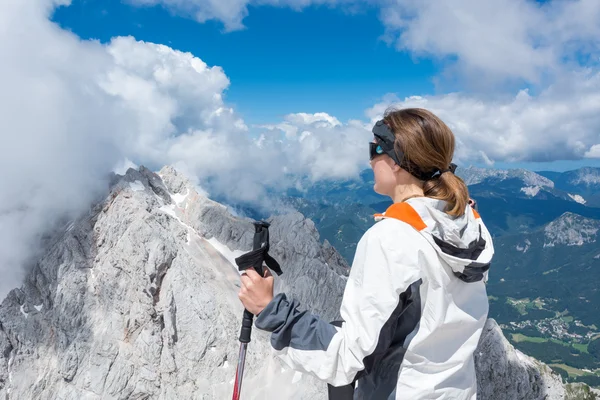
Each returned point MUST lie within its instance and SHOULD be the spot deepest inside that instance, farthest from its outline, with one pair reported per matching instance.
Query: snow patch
(179, 198)
(230, 255)
(70, 226)
(10, 374)
(137, 186)
(39, 308)
(525, 247)
(169, 210)
(531, 191)
(23, 311)
(225, 364)
(297, 377)
(577, 198)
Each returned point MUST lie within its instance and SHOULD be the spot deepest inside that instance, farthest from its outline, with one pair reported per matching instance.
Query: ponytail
(450, 188)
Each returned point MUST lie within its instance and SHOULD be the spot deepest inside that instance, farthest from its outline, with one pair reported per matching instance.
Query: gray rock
(571, 230)
(504, 373)
(138, 300)
(5, 349)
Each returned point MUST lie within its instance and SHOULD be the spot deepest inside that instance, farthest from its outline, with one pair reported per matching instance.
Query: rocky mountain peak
(571, 230)
(587, 176)
(138, 299)
(473, 175)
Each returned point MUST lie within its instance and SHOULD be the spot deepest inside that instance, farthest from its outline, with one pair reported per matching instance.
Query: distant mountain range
(513, 201)
(584, 182)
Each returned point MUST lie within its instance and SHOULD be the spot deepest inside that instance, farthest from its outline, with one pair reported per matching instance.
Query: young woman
(415, 302)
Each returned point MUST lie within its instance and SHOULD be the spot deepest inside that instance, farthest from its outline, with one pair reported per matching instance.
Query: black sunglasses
(385, 143)
(374, 150)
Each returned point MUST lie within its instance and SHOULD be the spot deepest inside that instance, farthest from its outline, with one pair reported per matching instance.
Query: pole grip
(246, 330)
(248, 318)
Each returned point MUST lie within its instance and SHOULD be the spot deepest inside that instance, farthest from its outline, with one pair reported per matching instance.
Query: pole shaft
(239, 374)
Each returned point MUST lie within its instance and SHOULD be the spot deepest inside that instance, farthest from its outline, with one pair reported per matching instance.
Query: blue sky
(317, 60)
(324, 59)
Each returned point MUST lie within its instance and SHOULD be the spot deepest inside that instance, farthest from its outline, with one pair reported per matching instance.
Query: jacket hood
(464, 242)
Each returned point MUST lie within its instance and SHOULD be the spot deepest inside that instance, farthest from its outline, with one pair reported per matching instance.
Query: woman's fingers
(256, 291)
(252, 274)
(246, 281)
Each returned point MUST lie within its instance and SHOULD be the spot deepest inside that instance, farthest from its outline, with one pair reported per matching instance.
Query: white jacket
(413, 309)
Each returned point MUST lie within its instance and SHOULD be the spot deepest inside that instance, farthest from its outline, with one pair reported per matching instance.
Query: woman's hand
(256, 291)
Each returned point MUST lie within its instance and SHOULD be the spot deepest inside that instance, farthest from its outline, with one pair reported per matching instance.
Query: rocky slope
(138, 300)
(571, 230)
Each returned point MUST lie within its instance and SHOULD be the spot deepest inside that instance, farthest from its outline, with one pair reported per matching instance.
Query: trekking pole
(255, 258)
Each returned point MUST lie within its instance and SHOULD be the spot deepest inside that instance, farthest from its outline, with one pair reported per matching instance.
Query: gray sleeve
(293, 328)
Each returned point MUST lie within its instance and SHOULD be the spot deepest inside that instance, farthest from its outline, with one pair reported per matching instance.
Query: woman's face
(385, 178)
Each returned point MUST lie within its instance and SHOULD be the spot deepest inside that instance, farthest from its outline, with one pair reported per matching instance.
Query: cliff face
(138, 300)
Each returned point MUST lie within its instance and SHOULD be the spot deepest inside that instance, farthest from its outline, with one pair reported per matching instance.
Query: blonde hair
(428, 146)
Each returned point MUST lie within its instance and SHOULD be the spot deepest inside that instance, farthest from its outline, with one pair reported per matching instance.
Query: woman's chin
(376, 189)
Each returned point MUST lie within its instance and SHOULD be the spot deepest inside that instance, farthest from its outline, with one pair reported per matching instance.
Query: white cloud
(123, 165)
(230, 12)
(317, 146)
(593, 152)
(562, 122)
(489, 40)
(319, 119)
(323, 148)
(74, 110)
(52, 121)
